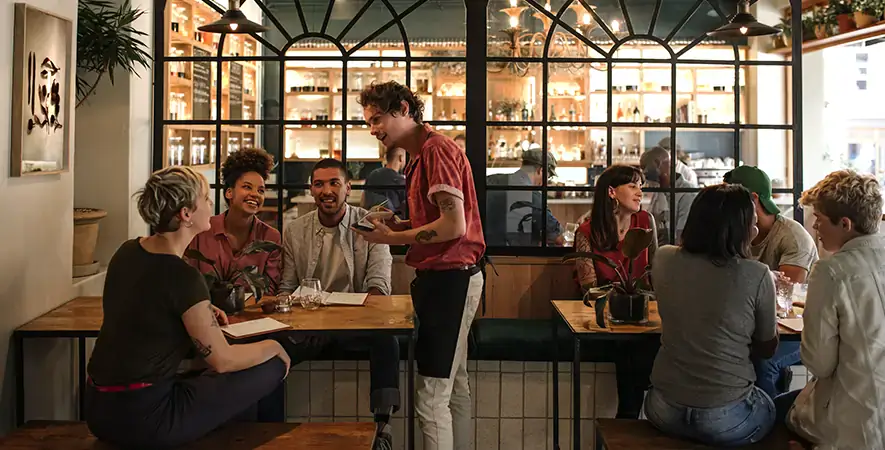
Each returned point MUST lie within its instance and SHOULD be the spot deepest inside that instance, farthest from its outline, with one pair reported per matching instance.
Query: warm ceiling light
(743, 24)
(233, 21)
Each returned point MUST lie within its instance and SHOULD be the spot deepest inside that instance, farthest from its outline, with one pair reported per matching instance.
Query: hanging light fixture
(233, 21)
(743, 24)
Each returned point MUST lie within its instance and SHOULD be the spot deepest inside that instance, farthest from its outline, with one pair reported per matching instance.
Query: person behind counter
(505, 224)
(321, 245)
(617, 199)
(388, 176)
(655, 163)
(156, 312)
(717, 309)
(446, 245)
(844, 337)
(688, 174)
(787, 249)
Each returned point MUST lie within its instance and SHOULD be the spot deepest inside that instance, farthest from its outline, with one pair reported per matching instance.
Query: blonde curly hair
(846, 193)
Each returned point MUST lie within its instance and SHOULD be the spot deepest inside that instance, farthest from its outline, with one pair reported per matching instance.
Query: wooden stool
(50, 435)
(623, 434)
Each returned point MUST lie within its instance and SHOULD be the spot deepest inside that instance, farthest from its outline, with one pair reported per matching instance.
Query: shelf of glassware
(194, 145)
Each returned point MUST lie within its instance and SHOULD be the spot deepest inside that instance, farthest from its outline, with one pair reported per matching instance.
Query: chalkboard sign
(236, 91)
(202, 81)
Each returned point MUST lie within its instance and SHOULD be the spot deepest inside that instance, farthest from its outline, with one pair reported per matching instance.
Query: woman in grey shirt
(717, 310)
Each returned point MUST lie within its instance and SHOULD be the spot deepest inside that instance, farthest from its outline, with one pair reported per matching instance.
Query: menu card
(796, 324)
(255, 327)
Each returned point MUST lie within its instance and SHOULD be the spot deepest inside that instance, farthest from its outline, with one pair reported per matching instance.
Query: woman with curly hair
(243, 173)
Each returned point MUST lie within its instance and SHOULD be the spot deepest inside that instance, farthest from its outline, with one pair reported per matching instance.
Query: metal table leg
(19, 349)
(554, 321)
(81, 396)
(410, 395)
(576, 395)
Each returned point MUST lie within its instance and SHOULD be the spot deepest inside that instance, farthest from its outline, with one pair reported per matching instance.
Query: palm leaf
(569, 257)
(260, 247)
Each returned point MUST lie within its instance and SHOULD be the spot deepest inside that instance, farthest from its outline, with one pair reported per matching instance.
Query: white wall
(114, 150)
(35, 266)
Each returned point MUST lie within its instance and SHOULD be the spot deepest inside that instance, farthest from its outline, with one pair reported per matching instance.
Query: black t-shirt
(142, 337)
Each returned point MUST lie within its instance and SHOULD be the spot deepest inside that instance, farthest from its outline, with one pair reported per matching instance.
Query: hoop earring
(188, 224)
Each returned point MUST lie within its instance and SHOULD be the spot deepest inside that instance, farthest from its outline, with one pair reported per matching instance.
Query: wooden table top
(268, 436)
(581, 319)
(84, 315)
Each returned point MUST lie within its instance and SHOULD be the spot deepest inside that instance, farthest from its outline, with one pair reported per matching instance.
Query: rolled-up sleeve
(379, 268)
(443, 170)
(820, 335)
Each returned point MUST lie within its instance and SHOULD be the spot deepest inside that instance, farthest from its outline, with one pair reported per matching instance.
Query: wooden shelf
(869, 32)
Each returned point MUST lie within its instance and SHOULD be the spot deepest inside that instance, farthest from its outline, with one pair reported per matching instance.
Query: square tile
(321, 419)
(565, 434)
(535, 398)
(471, 383)
(471, 365)
(488, 366)
(537, 366)
(511, 434)
(512, 366)
(588, 367)
(607, 367)
(345, 391)
(321, 365)
(565, 396)
(298, 394)
(362, 365)
(587, 395)
(487, 437)
(587, 434)
(534, 434)
(511, 394)
(488, 394)
(606, 398)
(321, 393)
(344, 365)
(565, 367)
(363, 388)
(399, 433)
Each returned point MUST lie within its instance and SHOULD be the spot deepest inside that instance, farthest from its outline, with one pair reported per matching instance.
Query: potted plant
(867, 12)
(107, 41)
(841, 10)
(224, 292)
(627, 297)
(783, 39)
(823, 22)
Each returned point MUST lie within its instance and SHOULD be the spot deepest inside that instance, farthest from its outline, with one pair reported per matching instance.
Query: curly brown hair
(244, 161)
(389, 96)
(845, 193)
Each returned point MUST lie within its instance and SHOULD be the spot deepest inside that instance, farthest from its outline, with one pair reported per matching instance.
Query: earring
(617, 205)
(189, 224)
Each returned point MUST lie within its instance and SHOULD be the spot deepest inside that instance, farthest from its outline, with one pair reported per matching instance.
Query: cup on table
(310, 294)
(569, 234)
(784, 295)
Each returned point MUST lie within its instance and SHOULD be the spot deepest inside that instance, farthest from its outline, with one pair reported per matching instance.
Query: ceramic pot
(85, 238)
(622, 309)
(863, 20)
(229, 300)
(820, 31)
(846, 22)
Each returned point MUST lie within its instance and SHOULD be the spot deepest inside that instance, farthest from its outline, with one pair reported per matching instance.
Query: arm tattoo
(425, 236)
(214, 322)
(203, 350)
(446, 205)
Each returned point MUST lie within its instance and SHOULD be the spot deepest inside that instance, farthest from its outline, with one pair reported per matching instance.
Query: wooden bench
(620, 434)
(50, 435)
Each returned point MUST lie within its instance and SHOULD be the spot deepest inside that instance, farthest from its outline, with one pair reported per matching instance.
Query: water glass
(784, 295)
(568, 236)
(310, 294)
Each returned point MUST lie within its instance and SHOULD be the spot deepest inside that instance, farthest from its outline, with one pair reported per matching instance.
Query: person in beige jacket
(843, 343)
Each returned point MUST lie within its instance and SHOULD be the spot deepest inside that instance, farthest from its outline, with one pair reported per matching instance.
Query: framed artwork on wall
(41, 92)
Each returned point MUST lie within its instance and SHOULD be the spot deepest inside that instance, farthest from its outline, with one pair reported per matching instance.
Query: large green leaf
(596, 257)
(635, 241)
(255, 281)
(260, 247)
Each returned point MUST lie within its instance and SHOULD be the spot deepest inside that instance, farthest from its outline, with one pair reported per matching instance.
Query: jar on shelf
(357, 84)
(323, 82)
(309, 83)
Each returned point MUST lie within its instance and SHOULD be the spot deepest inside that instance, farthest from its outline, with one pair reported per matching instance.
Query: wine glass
(310, 294)
(569, 234)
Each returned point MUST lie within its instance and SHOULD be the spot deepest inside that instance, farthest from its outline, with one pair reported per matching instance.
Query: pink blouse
(215, 245)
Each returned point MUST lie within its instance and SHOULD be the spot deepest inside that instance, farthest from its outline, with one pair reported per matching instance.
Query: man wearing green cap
(785, 247)
(505, 224)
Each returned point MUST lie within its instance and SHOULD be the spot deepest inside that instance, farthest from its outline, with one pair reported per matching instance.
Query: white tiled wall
(513, 401)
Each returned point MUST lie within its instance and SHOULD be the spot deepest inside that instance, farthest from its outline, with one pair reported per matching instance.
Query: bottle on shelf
(552, 114)
(525, 112)
(531, 113)
(572, 117)
(622, 149)
(636, 113)
(620, 114)
(442, 115)
(454, 114)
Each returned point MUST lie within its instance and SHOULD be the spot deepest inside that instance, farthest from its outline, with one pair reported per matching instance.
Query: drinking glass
(310, 294)
(569, 234)
(784, 295)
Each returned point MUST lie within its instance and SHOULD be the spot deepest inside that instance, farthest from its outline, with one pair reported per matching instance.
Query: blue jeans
(768, 371)
(743, 422)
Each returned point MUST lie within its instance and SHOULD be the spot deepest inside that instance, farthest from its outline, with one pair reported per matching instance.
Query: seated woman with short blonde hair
(843, 342)
(156, 312)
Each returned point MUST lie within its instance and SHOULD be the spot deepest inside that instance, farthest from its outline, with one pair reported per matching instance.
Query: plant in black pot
(224, 291)
(628, 295)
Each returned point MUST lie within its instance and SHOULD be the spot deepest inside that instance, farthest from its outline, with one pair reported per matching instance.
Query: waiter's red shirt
(442, 167)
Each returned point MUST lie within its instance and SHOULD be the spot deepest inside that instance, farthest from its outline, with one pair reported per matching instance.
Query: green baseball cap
(757, 182)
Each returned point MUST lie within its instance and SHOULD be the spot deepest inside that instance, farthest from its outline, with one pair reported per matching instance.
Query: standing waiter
(446, 244)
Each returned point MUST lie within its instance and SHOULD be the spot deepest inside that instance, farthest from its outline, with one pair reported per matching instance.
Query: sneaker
(383, 437)
(784, 380)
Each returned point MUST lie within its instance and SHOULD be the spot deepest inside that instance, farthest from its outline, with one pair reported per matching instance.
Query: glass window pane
(514, 91)
(515, 218)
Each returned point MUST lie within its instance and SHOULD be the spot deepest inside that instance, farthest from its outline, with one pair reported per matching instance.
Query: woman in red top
(617, 201)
